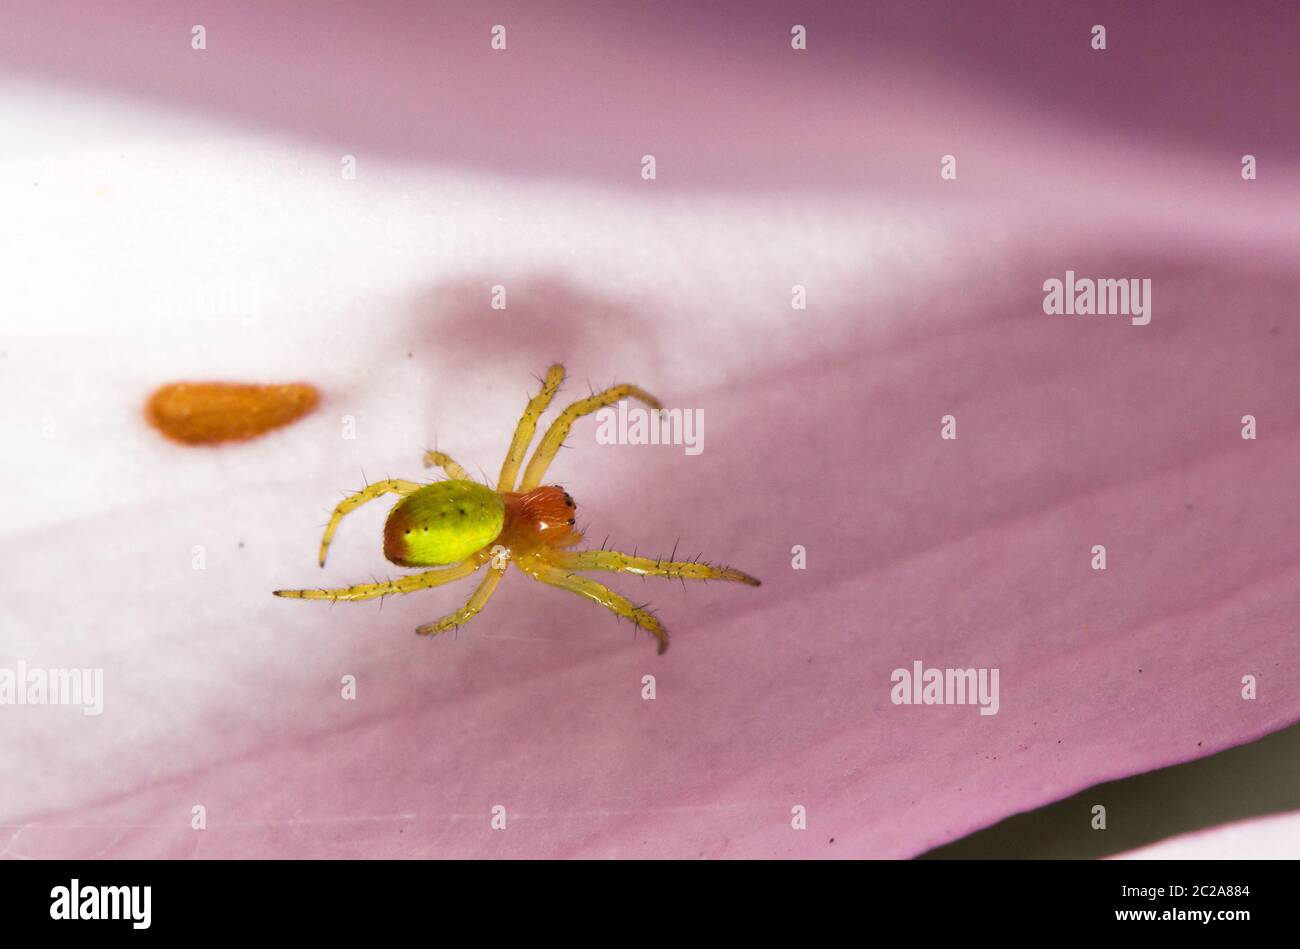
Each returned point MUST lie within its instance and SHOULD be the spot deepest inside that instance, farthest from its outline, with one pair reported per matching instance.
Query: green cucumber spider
(458, 526)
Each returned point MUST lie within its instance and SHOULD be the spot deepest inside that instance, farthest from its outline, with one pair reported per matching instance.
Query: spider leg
(599, 593)
(527, 426)
(447, 464)
(407, 584)
(645, 566)
(354, 501)
(470, 609)
(559, 430)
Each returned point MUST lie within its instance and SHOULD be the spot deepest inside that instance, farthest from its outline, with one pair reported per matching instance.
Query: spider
(459, 525)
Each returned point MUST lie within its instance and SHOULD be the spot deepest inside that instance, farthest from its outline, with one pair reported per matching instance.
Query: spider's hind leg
(354, 501)
(447, 464)
(406, 584)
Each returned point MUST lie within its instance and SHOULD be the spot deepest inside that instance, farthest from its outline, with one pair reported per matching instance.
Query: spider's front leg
(618, 562)
(559, 430)
(523, 436)
(354, 501)
(616, 603)
(471, 608)
(408, 584)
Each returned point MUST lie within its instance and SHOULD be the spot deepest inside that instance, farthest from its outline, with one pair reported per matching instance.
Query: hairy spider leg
(620, 605)
(527, 426)
(354, 501)
(407, 584)
(471, 607)
(559, 429)
(644, 566)
(447, 464)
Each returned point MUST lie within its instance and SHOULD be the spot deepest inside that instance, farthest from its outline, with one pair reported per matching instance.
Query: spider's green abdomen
(443, 523)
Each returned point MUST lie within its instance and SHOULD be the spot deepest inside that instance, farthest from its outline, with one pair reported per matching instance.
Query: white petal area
(1276, 837)
(145, 246)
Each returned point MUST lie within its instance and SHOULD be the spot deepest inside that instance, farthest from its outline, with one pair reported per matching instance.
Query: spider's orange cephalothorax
(542, 517)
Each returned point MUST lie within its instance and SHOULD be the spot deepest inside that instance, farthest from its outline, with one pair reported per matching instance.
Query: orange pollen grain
(208, 413)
